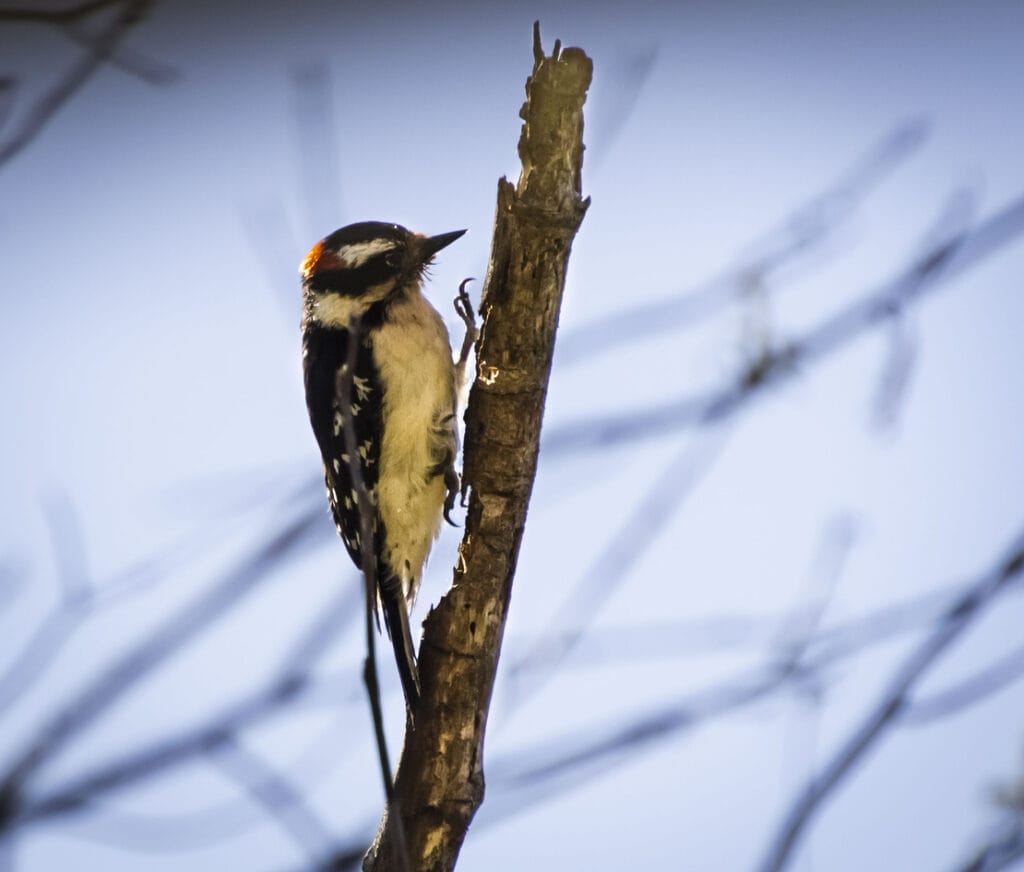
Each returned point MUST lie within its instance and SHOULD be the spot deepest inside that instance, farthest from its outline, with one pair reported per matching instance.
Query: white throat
(338, 310)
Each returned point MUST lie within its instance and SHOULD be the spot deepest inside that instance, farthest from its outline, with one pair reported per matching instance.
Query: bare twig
(139, 661)
(316, 163)
(148, 69)
(892, 703)
(1005, 842)
(610, 568)
(367, 553)
(102, 48)
(8, 88)
(180, 830)
(952, 222)
(624, 82)
(992, 679)
(910, 287)
(272, 240)
(157, 757)
(74, 598)
(828, 645)
(894, 377)
(289, 681)
(572, 758)
(68, 15)
(318, 150)
(71, 21)
(80, 599)
(797, 634)
(1004, 849)
(278, 797)
(808, 226)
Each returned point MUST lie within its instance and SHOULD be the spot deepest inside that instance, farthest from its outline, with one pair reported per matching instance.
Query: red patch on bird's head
(320, 259)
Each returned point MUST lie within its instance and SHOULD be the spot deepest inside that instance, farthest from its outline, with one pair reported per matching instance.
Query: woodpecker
(364, 282)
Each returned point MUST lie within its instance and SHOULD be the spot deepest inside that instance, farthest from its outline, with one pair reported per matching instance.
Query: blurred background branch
(777, 365)
(102, 46)
(976, 597)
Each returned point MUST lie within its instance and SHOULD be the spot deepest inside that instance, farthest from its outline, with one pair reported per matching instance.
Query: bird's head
(362, 264)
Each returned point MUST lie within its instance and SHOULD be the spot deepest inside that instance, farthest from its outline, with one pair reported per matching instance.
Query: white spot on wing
(362, 386)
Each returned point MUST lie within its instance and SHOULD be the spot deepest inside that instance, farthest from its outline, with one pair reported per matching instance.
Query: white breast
(413, 356)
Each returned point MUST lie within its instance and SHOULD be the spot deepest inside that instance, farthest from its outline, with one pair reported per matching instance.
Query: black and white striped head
(362, 264)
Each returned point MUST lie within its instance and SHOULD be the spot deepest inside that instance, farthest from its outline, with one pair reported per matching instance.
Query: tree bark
(440, 780)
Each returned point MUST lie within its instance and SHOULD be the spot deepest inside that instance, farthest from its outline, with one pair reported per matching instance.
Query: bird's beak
(431, 245)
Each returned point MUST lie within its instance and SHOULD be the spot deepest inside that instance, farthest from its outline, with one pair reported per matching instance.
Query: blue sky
(148, 281)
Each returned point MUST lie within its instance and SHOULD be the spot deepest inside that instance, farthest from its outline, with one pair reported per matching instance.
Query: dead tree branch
(440, 782)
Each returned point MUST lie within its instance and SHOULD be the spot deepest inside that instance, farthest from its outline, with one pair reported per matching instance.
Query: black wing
(325, 351)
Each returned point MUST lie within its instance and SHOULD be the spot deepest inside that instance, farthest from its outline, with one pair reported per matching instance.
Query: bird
(363, 302)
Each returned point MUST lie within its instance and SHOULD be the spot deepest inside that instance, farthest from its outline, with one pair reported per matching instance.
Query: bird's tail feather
(396, 619)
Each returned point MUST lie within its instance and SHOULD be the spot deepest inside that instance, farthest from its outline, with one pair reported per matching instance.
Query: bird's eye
(393, 260)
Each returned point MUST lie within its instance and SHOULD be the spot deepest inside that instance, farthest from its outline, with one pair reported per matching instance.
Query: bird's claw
(464, 307)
